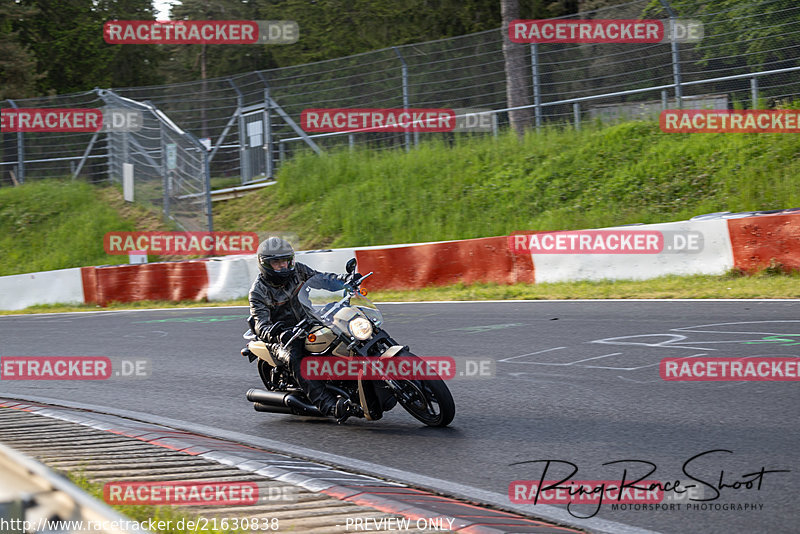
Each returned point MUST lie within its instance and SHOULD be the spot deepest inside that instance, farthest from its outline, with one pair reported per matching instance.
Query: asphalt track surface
(574, 381)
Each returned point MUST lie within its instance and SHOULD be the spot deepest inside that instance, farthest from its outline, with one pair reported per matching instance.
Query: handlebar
(365, 277)
(297, 331)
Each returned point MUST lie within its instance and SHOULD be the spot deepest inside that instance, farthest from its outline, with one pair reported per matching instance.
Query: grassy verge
(58, 224)
(55, 225)
(732, 285)
(449, 187)
(556, 179)
(169, 517)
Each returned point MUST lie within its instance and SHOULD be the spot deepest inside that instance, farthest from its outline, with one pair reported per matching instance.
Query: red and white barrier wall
(19, 291)
(757, 241)
(748, 243)
(714, 257)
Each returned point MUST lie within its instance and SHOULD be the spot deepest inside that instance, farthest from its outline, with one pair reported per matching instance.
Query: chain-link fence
(169, 166)
(32, 155)
(749, 57)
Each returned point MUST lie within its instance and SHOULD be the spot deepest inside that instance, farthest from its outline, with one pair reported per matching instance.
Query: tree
(66, 36)
(335, 28)
(517, 71)
(132, 65)
(17, 63)
(190, 62)
(760, 35)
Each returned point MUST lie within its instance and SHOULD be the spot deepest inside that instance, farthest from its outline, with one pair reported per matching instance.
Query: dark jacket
(270, 303)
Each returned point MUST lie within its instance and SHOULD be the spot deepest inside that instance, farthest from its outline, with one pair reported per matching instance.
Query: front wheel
(429, 401)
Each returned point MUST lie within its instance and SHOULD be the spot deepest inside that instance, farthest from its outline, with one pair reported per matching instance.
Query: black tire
(435, 407)
(264, 371)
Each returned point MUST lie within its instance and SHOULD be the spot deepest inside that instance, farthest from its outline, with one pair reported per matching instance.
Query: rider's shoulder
(259, 289)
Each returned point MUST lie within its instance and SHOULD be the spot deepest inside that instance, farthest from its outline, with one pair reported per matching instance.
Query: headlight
(361, 328)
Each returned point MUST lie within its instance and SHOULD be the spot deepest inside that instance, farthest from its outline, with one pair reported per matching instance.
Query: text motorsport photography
(635, 490)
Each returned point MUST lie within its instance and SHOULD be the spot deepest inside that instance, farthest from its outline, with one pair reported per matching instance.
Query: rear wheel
(429, 401)
(265, 372)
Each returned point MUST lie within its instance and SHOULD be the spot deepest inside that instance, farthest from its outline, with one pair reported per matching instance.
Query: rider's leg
(315, 390)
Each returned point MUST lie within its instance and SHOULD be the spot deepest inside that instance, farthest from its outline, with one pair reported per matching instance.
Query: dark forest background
(56, 46)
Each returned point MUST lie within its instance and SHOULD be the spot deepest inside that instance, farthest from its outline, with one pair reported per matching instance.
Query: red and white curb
(363, 490)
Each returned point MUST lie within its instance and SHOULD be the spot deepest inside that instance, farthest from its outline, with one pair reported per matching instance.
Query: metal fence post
(125, 150)
(267, 127)
(207, 171)
(281, 151)
(537, 85)
(754, 91)
(77, 170)
(351, 140)
(20, 150)
(244, 165)
(164, 169)
(109, 159)
(576, 114)
(664, 100)
(405, 93)
(676, 62)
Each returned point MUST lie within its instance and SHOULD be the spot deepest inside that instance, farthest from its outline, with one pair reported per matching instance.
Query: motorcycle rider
(275, 311)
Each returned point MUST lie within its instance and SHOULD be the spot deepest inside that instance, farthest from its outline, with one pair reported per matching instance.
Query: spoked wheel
(429, 401)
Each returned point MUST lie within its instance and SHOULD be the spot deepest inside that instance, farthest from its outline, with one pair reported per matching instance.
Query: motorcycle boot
(315, 390)
(344, 409)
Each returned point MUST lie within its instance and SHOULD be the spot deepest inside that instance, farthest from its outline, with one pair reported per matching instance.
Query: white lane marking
(620, 368)
(569, 363)
(643, 366)
(672, 343)
(552, 513)
(592, 358)
(505, 360)
(691, 328)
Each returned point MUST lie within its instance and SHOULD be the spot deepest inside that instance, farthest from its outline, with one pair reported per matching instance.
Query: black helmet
(275, 248)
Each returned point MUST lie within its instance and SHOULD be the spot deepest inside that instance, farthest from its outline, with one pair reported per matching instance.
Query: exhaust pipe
(281, 402)
(271, 398)
(271, 409)
(299, 407)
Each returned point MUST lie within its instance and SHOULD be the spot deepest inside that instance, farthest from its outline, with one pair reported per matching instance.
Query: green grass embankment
(554, 180)
(49, 225)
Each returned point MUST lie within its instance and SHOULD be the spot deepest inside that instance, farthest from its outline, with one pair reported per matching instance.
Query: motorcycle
(341, 323)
